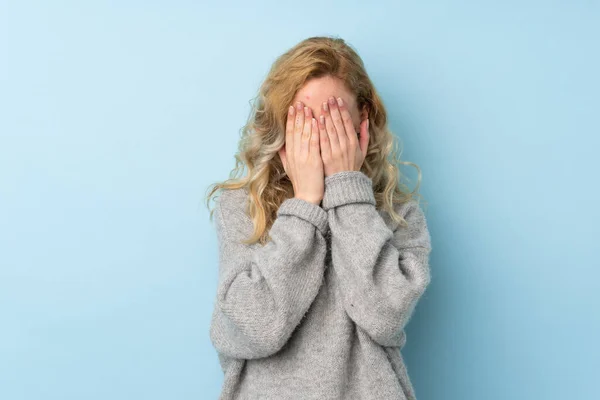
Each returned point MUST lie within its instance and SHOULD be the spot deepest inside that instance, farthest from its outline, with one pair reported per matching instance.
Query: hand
(300, 155)
(341, 149)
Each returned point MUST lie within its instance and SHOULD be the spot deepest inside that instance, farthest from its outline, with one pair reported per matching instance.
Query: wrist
(309, 199)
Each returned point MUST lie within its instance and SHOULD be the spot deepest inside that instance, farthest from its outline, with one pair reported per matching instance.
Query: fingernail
(325, 106)
(291, 110)
(332, 100)
(340, 101)
(298, 105)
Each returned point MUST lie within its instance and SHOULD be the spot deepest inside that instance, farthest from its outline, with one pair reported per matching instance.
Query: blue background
(116, 116)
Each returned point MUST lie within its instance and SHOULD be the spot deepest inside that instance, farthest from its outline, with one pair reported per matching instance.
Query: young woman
(323, 253)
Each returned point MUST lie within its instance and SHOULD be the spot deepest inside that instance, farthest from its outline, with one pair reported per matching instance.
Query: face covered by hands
(343, 130)
(342, 148)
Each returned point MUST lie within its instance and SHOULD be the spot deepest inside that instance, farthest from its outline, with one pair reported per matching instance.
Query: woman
(323, 254)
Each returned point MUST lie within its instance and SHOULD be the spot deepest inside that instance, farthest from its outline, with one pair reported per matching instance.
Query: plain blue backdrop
(116, 116)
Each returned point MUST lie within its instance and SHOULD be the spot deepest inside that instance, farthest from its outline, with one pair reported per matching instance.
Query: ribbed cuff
(305, 210)
(347, 187)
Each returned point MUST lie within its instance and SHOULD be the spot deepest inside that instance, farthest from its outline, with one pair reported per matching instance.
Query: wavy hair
(264, 133)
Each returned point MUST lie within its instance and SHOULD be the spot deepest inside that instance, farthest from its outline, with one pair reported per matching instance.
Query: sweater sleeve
(264, 291)
(383, 272)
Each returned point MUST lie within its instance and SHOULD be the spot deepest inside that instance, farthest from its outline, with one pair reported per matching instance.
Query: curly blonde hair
(264, 133)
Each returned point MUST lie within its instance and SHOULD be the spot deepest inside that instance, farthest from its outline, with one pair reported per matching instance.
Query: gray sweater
(318, 312)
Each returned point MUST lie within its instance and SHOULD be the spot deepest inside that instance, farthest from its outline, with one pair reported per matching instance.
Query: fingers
(346, 119)
(315, 145)
(306, 132)
(339, 124)
(289, 131)
(298, 128)
(325, 147)
(333, 144)
(364, 136)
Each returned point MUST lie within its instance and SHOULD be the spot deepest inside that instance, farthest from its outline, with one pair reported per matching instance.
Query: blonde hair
(264, 133)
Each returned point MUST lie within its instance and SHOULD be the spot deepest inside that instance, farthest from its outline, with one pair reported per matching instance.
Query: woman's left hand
(341, 148)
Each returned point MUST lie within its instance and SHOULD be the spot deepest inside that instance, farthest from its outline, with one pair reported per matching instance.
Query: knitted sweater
(318, 312)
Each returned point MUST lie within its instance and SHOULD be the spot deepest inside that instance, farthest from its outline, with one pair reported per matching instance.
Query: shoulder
(410, 210)
(232, 199)
(232, 217)
(416, 232)
(403, 208)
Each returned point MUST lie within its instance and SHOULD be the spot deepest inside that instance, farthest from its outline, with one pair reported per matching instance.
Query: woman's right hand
(301, 154)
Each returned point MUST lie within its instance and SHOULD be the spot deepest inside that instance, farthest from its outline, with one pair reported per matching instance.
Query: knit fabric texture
(319, 312)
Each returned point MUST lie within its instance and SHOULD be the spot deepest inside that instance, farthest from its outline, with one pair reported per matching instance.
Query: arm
(263, 292)
(383, 272)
